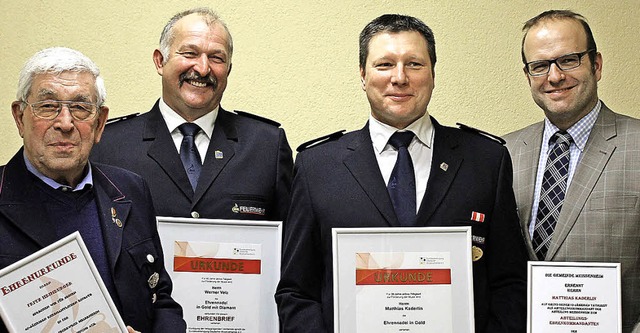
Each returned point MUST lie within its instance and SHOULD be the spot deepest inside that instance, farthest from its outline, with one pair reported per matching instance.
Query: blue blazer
(248, 164)
(339, 184)
(25, 229)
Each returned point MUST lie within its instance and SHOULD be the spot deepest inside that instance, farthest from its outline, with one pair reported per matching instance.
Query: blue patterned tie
(554, 186)
(402, 183)
(189, 152)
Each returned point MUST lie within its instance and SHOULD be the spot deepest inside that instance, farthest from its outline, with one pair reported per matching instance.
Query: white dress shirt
(202, 138)
(420, 149)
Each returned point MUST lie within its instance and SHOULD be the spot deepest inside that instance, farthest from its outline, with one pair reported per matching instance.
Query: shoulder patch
(482, 133)
(256, 117)
(320, 140)
(121, 118)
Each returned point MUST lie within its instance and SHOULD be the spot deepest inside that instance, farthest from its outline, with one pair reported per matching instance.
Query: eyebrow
(197, 47)
(46, 93)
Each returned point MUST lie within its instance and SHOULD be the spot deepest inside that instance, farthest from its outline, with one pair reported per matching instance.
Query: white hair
(55, 60)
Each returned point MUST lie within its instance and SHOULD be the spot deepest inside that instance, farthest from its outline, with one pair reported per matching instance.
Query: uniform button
(150, 258)
(195, 214)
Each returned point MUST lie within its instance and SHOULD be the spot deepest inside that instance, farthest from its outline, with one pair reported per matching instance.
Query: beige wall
(295, 61)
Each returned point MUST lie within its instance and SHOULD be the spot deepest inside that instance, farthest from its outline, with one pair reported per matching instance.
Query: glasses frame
(555, 61)
(35, 106)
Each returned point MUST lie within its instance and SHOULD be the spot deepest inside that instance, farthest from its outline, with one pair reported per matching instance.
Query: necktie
(402, 183)
(189, 152)
(554, 186)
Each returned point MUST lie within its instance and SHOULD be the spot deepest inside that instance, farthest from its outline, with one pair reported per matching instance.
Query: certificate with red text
(224, 272)
(57, 289)
(400, 289)
(402, 280)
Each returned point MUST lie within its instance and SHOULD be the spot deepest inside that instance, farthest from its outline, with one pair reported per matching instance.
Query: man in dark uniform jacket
(49, 190)
(462, 178)
(245, 161)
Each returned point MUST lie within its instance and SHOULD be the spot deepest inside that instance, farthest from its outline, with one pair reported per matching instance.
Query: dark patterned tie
(402, 183)
(554, 186)
(189, 152)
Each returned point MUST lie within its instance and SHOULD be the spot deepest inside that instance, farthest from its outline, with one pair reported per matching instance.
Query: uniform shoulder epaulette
(121, 118)
(256, 117)
(481, 132)
(320, 140)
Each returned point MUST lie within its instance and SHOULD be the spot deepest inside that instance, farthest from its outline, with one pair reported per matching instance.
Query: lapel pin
(218, 155)
(444, 166)
(114, 218)
(153, 280)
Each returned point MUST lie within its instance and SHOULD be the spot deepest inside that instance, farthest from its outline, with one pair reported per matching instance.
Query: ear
(597, 66)
(158, 61)
(362, 79)
(18, 113)
(229, 71)
(101, 121)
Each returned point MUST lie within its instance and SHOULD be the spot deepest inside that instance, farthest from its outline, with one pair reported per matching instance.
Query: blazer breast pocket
(612, 202)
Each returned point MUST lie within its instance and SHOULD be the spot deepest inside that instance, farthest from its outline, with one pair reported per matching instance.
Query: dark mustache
(209, 79)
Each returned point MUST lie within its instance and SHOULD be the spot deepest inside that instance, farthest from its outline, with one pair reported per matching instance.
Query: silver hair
(210, 17)
(55, 60)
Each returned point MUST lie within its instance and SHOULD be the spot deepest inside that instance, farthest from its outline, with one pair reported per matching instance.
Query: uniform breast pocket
(146, 259)
(249, 205)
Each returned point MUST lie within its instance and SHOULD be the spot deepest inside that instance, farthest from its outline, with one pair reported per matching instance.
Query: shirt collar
(173, 119)
(86, 182)
(381, 132)
(579, 131)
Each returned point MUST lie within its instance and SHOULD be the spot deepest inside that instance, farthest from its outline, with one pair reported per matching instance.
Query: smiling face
(564, 96)
(194, 74)
(398, 77)
(60, 148)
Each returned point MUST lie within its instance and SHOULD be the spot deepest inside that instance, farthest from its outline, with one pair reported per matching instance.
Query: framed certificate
(573, 297)
(57, 289)
(224, 272)
(403, 280)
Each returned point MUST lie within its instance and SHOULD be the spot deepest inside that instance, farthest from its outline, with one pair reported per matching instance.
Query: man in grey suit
(594, 213)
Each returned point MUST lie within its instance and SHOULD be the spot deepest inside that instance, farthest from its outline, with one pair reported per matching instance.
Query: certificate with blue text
(403, 280)
(224, 272)
(57, 289)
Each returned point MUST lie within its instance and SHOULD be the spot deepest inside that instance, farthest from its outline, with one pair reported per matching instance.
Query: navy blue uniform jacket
(246, 172)
(339, 184)
(25, 229)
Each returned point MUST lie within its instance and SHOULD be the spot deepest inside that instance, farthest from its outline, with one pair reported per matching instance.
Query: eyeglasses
(565, 63)
(50, 109)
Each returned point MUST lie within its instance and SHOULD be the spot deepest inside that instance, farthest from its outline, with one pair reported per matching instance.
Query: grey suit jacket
(600, 217)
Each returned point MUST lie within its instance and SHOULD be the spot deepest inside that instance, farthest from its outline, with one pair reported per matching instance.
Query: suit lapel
(596, 155)
(220, 152)
(163, 152)
(18, 205)
(362, 164)
(445, 163)
(525, 157)
(113, 209)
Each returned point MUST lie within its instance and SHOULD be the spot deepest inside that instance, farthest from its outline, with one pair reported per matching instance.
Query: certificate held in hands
(57, 289)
